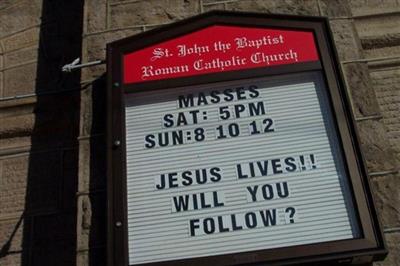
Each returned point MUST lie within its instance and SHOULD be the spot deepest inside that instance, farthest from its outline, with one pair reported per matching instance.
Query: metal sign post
(231, 141)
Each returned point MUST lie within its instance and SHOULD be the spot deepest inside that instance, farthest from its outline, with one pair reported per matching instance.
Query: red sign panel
(219, 49)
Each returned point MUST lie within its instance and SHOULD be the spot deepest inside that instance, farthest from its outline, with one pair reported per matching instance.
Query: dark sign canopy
(231, 141)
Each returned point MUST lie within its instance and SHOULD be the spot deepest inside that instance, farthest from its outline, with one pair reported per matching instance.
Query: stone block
(381, 46)
(379, 35)
(94, 48)
(7, 3)
(1, 84)
(151, 12)
(20, 80)
(91, 73)
(386, 84)
(87, 111)
(378, 26)
(11, 259)
(20, 56)
(20, 16)
(26, 38)
(95, 15)
(52, 121)
(92, 164)
(378, 153)
(387, 199)
(294, 7)
(393, 259)
(361, 91)
(17, 106)
(95, 45)
(366, 7)
(346, 39)
(334, 9)
(387, 51)
(82, 258)
(217, 1)
(92, 220)
(55, 121)
(389, 40)
(217, 6)
(11, 235)
(15, 142)
(15, 126)
(84, 167)
(30, 183)
(13, 182)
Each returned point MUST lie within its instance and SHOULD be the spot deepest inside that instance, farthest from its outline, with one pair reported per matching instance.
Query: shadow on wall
(94, 208)
(51, 213)
(49, 218)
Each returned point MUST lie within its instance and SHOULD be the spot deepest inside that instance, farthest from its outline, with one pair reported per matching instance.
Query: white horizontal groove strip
(238, 190)
(272, 104)
(143, 205)
(302, 219)
(302, 126)
(148, 98)
(278, 134)
(308, 205)
(277, 116)
(146, 187)
(147, 243)
(226, 164)
(274, 231)
(305, 126)
(167, 213)
(271, 110)
(298, 149)
(275, 109)
(228, 185)
(157, 228)
(213, 115)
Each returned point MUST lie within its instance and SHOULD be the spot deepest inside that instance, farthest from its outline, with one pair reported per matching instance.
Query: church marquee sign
(231, 142)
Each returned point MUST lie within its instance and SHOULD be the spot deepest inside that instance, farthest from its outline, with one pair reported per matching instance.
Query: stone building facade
(52, 124)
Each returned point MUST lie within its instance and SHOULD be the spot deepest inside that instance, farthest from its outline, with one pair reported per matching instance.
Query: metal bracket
(75, 65)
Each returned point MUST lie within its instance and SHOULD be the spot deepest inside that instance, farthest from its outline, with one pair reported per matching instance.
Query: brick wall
(52, 150)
